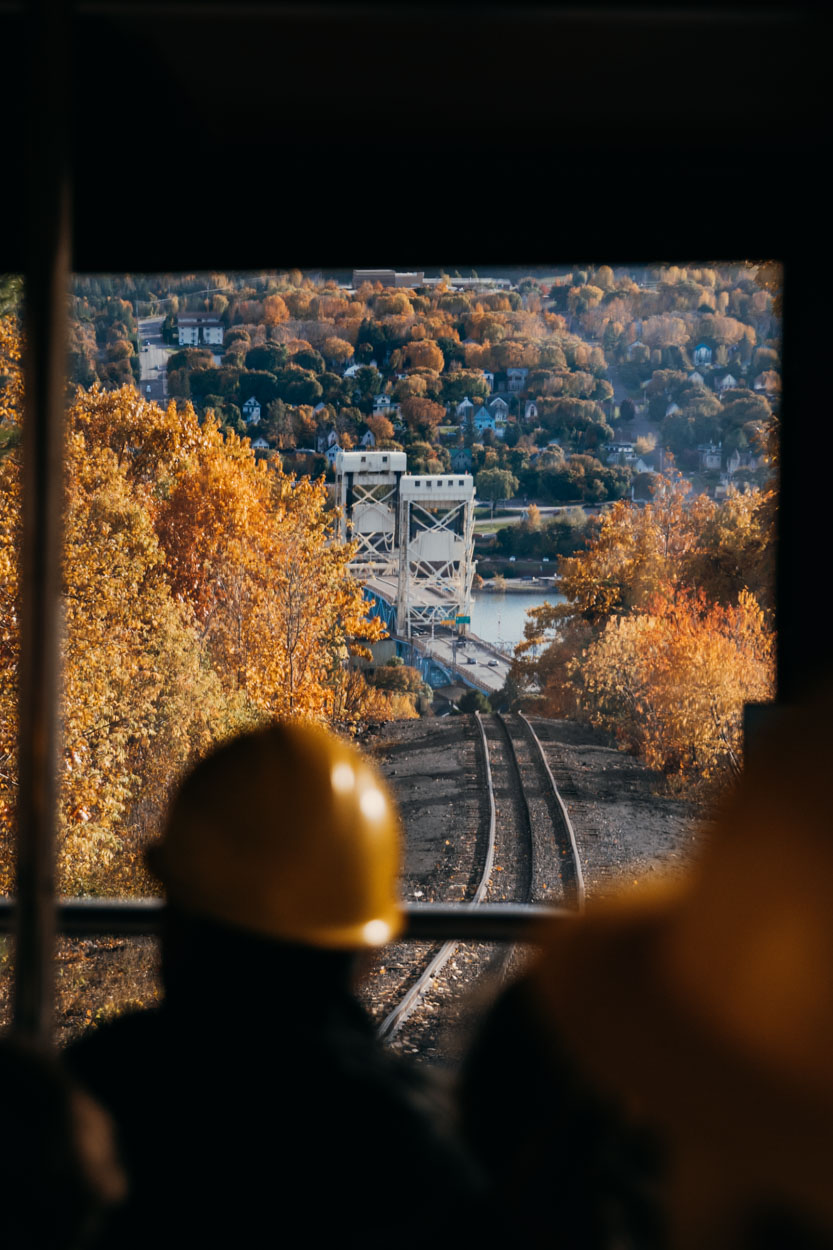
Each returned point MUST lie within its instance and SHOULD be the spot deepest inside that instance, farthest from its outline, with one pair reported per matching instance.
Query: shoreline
(515, 586)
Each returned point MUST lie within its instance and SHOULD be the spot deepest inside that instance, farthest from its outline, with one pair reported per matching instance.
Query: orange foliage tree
(665, 631)
(423, 354)
(671, 682)
(422, 416)
(202, 592)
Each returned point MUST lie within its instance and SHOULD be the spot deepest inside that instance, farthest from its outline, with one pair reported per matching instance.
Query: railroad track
(528, 852)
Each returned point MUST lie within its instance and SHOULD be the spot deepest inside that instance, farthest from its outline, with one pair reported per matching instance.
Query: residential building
(196, 328)
(387, 277)
(251, 411)
(483, 419)
(516, 378)
(711, 456)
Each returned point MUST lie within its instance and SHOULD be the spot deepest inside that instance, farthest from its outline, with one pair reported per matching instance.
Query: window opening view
(511, 531)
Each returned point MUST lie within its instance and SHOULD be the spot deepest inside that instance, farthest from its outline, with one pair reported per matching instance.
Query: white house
(260, 444)
(196, 328)
(742, 460)
(516, 378)
(332, 451)
(326, 439)
(726, 384)
(710, 456)
(464, 407)
(531, 410)
(251, 410)
(490, 378)
(368, 439)
(382, 403)
(352, 370)
(672, 408)
(702, 354)
(499, 409)
(619, 453)
(696, 377)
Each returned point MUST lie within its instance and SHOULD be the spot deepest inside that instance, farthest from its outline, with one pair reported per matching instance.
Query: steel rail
(505, 959)
(562, 807)
(524, 800)
(395, 1018)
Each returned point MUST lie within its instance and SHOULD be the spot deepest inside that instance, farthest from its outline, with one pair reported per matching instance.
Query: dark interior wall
(236, 135)
(243, 134)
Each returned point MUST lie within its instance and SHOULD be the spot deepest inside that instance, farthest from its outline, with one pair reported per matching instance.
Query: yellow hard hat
(708, 1009)
(288, 832)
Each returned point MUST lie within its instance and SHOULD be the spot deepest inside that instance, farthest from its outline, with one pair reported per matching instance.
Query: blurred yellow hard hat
(288, 832)
(709, 1009)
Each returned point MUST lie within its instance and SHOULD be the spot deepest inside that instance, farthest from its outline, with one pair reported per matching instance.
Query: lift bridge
(414, 536)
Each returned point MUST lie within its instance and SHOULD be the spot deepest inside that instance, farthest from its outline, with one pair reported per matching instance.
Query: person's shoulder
(112, 1044)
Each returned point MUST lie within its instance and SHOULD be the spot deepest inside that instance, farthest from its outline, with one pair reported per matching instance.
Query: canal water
(500, 619)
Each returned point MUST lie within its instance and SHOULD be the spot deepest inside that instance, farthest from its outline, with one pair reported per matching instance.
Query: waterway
(500, 619)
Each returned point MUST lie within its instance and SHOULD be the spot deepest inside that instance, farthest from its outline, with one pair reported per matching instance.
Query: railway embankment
(628, 828)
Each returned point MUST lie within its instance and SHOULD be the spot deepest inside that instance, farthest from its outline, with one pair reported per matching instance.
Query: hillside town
(568, 388)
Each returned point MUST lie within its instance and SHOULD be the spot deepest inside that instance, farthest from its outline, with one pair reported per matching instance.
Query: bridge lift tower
(367, 491)
(436, 549)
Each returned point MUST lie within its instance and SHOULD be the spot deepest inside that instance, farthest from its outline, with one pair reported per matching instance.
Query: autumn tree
(462, 384)
(495, 484)
(423, 355)
(275, 310)
(380, 427)
(422, 416)
(665, 630)
(671, 683)
(336, 349)
(202, 592)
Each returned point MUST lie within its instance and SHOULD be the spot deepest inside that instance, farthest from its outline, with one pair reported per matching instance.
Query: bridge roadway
(478, 662)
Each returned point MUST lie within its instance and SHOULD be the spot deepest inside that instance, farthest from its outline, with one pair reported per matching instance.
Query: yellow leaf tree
(202, 592)
(665, 630)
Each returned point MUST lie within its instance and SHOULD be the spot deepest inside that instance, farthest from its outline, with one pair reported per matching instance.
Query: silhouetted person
(666, 1067)
(58, 1166)
(255, 1104)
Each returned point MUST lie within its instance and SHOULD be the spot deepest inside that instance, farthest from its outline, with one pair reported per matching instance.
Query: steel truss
(448, 577)
(376, 549)
(367, 487)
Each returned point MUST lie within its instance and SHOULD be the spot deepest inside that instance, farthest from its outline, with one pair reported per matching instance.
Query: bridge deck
(478, 662)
